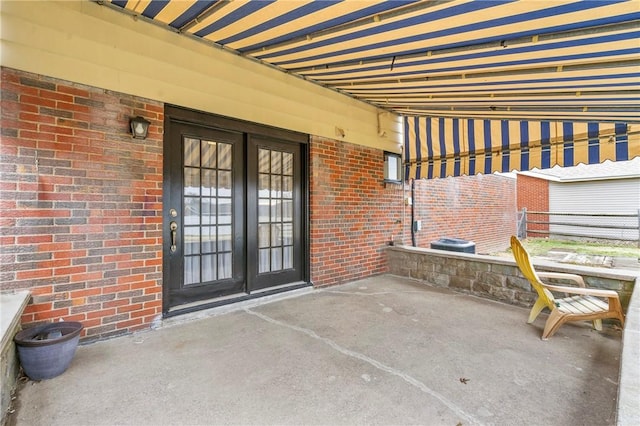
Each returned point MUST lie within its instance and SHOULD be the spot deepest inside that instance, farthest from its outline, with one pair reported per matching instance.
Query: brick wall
(80, 204)
(533, 194)
(81, 208)
(353, 213)
(479, 208)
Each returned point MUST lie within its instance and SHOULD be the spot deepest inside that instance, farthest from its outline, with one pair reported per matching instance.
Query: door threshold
(199, 303)
(280, 288)
(234, 299)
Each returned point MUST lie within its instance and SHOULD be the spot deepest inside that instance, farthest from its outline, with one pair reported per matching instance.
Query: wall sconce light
(139, 127)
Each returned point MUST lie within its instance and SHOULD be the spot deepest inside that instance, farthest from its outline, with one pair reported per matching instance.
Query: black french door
(274, 214)
(234, 211)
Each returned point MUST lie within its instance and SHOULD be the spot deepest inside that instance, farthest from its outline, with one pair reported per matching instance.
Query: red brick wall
(479, 208)
(353, 214)
(533, 194)
(80, 204)
(81, 210)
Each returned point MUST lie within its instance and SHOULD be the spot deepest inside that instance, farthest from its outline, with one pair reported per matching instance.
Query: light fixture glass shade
(139, 127)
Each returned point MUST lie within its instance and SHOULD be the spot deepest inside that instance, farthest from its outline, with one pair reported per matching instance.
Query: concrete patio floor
(384, 350)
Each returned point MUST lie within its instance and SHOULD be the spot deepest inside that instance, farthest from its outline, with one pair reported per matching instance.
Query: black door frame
(177, 115)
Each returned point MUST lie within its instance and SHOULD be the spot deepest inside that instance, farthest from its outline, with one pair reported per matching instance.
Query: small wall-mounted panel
(392, 167)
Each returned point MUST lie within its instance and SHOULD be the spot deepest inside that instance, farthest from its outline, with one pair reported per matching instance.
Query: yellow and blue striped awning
(484, 85)
(437, 147)
(551, 60)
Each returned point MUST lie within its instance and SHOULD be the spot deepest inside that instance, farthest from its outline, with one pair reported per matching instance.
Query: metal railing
(597, 226)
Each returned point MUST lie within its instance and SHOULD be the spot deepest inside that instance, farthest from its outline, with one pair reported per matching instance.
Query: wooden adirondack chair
(584, 304)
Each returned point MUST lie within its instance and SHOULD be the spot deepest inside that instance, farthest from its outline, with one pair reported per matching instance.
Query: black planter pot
(46, 351)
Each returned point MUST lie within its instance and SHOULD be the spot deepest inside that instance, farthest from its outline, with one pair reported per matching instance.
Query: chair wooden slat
(579, 304)
(569, 304)
(594, 303)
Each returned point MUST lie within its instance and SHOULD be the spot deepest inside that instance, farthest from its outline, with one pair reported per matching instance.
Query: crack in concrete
(377, 364)
(378, 293)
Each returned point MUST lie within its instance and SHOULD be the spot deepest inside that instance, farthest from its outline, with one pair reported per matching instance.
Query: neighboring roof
(531, 60)
(585, 172)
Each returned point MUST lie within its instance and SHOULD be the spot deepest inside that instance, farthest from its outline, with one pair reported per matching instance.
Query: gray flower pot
(46, 351)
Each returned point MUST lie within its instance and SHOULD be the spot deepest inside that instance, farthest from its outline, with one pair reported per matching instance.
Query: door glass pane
(224, 211)
(264, 205)
(209, 211)
(191, 211)
(287, 187)
(264, 165)
(287, 163)
(209, 267)
(287, 210)
(224, 238)
(276, 234)
(191, 152)
(207, 202)
(209, 154)
(287, 234)
(191, 240)
(224, 266)
(276, 162)
(263, 260)
(275, 210)
(208, 239)
(287, 258)
(276, 259)
(191, 181)
(224, 184)
(191, 270)
(224, 156)
(276, 186)
(208, 183)
(263, 185)
(263, 235)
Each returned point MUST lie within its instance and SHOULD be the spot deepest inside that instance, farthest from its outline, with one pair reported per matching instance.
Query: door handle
(173, 226)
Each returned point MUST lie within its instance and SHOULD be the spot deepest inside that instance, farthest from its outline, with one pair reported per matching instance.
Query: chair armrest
(586, 291)
(563, 276)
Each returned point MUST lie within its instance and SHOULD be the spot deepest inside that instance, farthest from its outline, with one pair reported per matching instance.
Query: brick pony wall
(354, 214)
(80, 204)
(533, 194)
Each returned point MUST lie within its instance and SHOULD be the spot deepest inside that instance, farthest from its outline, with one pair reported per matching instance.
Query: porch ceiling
(558, 60)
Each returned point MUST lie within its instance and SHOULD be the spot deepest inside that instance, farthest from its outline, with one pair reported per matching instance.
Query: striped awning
(551, 60)
(441, 147)
(486, 86)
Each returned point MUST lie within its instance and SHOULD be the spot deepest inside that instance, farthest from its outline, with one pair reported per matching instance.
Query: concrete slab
(384, 350)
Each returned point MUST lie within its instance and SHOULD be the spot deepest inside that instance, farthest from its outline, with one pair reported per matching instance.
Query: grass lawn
(540, 246)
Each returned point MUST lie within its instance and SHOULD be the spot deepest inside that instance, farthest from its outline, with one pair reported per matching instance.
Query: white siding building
(608, 188)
